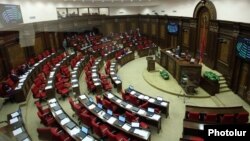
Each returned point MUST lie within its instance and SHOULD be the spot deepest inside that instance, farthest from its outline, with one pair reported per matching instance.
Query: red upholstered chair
(11, 83)
(144, 105)
(60, 135)
(99, 129)
(227, 119)
(210, 117)
(108, 105)
(76, 107)
(41, 109)
(242, 117)
(86, 119)
(62, 90)
(47, 119)
(98, 99)
(125, 96)
(116, 137)
(134, 100)
(41, 94)
(44, 133)
(132, 118)
(195, 116)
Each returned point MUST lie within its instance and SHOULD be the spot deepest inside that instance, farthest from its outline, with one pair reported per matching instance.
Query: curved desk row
(127, 128)
(117, 82)
(95, 75)
(217, 110)
(15, 130)
(25, 81)
(111, 54)
(124, 59)
(50, 89)
(75, 74)
(66, 123)
(155, 102)
(153, 120)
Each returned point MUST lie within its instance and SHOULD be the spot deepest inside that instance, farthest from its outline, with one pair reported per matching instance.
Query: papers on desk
(164, 103)
(142, 133)
(64, 121)
(126, 127)
(53, 105)
(141, 112)
(52, 100)
(74, 80)
(128, 106)
(74, 131)
(111, 120)
(48, 87)
(151, 100)
(118, 81)
(58, 112)
(159, 98)
(27, 139)
(118, 100)
(141, 96)
(75, 85)
(88, 138)
(110, 95)
(114, 77)
(132, 92)
(14, 120)
(82, 96)
(17, 131)
(74, 75)
(155, 117)
(14, 114)
(92, 106)
(112, 73)
(49, 82)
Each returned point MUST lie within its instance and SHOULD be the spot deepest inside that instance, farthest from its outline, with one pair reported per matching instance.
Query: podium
(151, 64)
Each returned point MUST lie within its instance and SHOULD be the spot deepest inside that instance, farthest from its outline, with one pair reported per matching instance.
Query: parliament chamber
(110, 77)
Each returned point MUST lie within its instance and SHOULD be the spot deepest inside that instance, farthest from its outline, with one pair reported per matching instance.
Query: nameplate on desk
(126, 127)
(17, 131)
(132, 92)
(82, 97)
(111, 120)
(14, 120)
(151, 100)
(64, 121)
(14, 114)
(110, 95)
(164, 103)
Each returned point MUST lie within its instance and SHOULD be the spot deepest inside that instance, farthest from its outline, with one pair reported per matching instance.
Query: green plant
(211, 76)
(164, 74)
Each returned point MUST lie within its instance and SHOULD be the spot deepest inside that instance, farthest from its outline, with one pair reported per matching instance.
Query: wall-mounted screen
(10, 14)
(243, 48)
(172, 28)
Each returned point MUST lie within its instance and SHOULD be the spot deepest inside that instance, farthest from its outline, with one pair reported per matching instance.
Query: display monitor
(10, 14)
(151, 110)
(84, 130)
(243, 48)
(122, 118)
(110, 112)
(172, 28)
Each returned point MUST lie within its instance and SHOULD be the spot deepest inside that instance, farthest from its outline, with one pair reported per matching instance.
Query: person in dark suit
(8, 91)
(13, 76)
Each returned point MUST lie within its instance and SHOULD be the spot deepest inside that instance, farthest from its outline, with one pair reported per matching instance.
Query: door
(243, 82)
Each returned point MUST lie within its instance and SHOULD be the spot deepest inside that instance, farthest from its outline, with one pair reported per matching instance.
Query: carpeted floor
(132, 74)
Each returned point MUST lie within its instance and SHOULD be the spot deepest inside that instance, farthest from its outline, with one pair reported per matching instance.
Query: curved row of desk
(15, 130)
(67, 123)
(127, 128)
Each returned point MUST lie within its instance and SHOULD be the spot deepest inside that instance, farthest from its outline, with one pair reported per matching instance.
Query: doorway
(244, 85)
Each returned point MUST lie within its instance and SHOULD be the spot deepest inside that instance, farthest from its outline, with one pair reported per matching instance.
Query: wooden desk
(162, 105)
(26, 81)
(50, 87)
(75, 74)
(178, 67)
(110, 55)
(75, 132)
(147, 51)
(135, 133)
(122, 60)
(116, 81)
(216, 110)
(154, 120)
(193, 128)
(16, 127)
(95, 76)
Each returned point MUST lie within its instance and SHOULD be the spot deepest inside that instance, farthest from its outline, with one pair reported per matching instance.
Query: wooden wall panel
(153, 29)
(145, 28)
(133, 26)
(39, 45)
(109, 27)
(224, 53)
(122, 27)
(162, 31)
(15, 55)
(185, 39)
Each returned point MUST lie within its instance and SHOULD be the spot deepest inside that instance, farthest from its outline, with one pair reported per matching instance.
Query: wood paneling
(145, 28)
(153, 29)
(133, 26)
(16, 55)
(39, 45)
(122, 27)
(185, 40)
(224, 51)
(162, 31)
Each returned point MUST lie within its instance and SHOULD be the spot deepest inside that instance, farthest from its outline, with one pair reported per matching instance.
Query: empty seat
(242, 117)
(227, 119)
(210, 117)
(193, 116)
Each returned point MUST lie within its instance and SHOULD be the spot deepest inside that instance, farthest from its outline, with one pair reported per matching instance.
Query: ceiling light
(131, 0)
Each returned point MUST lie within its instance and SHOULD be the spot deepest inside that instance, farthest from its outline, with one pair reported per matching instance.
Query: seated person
(8, 92)
(13, 76)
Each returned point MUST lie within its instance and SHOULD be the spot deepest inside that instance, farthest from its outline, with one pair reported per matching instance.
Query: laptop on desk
(150, 112)
(135, 109)
(99, 105)
(83, 133)
(22, 136)
(121, 121)
(97, 109)
(56, 108)
(108, 114)
(123, 103)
